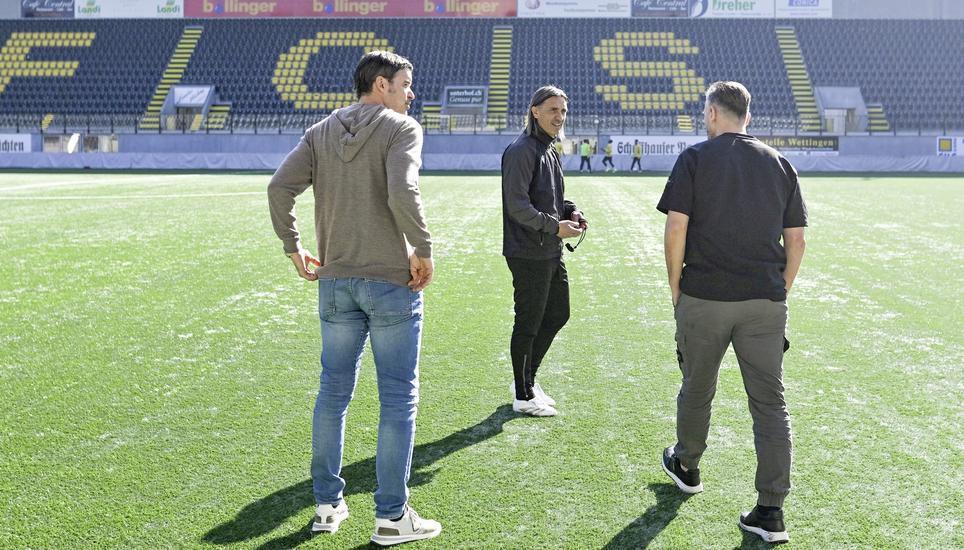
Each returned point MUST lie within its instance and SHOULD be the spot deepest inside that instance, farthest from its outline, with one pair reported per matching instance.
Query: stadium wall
(10, 10)
(461, 153)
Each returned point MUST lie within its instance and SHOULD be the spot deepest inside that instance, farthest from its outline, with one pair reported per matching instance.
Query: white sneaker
(541, 395)
(328, 517)
(512, 390)
(407, 529)
(533, 407)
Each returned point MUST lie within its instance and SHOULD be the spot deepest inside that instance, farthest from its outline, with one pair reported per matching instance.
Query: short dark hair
(732, 96)
(375, 64)
(538, 98)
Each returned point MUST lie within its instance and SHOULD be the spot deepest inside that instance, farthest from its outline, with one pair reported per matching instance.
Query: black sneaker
(767, 524)
(688, 481)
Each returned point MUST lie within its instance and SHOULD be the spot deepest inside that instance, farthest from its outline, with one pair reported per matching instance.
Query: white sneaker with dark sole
(328, 517)
(410, 527)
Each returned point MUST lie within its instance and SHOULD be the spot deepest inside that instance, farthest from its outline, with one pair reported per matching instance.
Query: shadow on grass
(264, 515)
(754, 542)
(646, 527)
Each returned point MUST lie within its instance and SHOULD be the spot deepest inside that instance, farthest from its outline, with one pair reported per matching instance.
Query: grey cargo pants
(704, 329)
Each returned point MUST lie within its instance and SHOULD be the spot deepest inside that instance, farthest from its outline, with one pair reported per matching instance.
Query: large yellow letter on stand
(289, 73)
(611, 54)
(13, 55)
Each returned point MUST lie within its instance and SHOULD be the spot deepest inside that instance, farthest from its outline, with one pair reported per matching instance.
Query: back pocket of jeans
(390, 299)
(326, 298)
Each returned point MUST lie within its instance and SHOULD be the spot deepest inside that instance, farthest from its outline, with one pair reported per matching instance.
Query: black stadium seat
(915, 80)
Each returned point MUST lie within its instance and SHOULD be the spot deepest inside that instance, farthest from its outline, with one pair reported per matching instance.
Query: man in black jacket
(535, 219)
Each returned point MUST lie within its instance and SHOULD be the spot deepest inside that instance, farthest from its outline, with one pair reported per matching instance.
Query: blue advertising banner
(61, 9)
(795, 9)
(661, 8)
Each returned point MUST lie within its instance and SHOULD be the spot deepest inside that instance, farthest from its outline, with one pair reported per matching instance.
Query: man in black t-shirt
(730, 201)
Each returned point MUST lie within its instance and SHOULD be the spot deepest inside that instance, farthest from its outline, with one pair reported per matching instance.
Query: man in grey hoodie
(374, 259)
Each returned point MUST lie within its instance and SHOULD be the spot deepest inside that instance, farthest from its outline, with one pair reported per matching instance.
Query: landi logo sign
(89, 8)
(168, 8)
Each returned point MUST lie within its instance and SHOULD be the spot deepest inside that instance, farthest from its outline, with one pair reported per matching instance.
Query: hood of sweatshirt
(356, 124)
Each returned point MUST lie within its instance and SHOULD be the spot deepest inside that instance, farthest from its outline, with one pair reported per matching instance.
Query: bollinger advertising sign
(349, 8)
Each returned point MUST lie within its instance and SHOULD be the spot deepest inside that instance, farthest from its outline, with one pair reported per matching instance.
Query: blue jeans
(350, 310)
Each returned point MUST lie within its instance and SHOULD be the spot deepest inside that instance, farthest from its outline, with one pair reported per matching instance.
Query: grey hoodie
(362, 163)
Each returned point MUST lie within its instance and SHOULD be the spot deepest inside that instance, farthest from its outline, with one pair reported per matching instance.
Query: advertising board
(574, 8)
(349, 8)
(128, 9)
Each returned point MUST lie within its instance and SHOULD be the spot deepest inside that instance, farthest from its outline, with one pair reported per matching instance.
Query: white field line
(89, 182)
(125, 197)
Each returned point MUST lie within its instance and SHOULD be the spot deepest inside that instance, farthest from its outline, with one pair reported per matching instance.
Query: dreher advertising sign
(128, 9)
(732, 8)
(349, 8)
(574, 8)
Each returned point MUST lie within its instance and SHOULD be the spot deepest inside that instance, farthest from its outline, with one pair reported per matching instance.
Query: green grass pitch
(159, 360)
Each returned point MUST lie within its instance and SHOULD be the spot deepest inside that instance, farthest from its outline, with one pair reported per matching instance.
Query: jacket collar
(541, 135)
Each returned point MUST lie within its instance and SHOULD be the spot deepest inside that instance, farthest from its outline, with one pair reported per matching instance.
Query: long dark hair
(538, 98)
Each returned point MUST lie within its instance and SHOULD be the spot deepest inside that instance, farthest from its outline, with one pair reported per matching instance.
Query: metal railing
(297, 123)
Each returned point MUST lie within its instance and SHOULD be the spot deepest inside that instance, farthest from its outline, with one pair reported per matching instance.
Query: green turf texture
(159, 361)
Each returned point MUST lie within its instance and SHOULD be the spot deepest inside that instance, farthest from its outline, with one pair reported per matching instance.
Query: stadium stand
(914, 70)
(626, 73)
